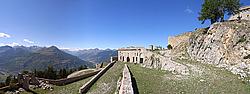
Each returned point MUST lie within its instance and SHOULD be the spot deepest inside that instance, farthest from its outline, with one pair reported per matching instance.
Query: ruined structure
(176, 40)
(132, 54)
(244, 14)
(25, 80)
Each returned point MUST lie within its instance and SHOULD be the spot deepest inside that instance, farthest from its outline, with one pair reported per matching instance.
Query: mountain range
(95, 56)
(18, 58)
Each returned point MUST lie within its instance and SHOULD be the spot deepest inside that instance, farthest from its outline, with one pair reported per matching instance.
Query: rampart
(86, 86)
(65, 81)
(243, 13)
(126, 83)
(176, 40)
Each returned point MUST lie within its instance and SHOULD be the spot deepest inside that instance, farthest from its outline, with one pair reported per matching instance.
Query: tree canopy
(215, 10)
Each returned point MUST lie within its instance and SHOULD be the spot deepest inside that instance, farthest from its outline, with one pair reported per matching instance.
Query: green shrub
(242, 39)
(169, 47)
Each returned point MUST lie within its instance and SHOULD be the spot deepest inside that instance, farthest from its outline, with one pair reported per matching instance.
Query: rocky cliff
(224, 44)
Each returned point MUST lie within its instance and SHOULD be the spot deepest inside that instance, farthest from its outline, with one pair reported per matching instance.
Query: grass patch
(3, 78)
(107, 83)
(214, 81)
(72, 88)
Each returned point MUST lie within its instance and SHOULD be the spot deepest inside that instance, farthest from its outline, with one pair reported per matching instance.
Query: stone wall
(176, 40)
(244, 14)
(126, 83)
(65, 81)
(6, 88)
(86, 86)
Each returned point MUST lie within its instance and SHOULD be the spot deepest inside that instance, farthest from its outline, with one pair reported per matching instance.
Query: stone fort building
(132, 54)
(137, 54)
(244, 14)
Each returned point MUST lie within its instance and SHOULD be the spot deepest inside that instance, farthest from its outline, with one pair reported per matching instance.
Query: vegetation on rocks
(169, 47)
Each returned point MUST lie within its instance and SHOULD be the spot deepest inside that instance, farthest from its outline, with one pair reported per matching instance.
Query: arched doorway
(141, 60)
(128, 59)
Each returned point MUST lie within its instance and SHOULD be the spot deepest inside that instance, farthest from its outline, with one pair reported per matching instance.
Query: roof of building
(130, 48)
(245, 8)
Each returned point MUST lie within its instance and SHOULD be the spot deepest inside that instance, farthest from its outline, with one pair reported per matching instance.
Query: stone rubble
(45, 86)
(156, 60)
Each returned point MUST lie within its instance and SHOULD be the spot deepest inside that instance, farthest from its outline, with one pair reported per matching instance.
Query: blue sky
(96, 23)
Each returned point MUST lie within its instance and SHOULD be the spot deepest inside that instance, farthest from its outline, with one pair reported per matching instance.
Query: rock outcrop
(224, 44)
(162, 60)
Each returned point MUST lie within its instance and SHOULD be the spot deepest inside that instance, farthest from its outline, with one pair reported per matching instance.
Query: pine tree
(64, 73)
(51, 73)
(81, 68)
(215, 10)
(8, 79)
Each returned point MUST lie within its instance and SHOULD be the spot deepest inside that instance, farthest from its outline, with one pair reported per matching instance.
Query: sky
(84, 24)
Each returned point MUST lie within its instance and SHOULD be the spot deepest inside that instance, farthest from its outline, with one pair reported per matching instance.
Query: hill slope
(94, 55)
(17, 59)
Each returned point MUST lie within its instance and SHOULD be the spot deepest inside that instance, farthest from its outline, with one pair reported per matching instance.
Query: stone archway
(128, 59)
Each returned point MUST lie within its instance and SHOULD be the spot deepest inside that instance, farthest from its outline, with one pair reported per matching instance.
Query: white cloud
(71, 49)
(188, 10)
(28, 41)
(10, 44)
(4, 35)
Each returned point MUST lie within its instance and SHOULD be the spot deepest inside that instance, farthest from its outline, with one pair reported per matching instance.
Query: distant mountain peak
(7, 46)
(53, 47)
(4, 48)
(37, 58)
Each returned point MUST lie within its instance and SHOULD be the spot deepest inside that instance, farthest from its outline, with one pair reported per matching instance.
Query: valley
(124, 47)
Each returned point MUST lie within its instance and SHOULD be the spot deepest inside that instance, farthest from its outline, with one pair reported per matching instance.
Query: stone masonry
(244, 14)
(132, 54)
(176, 40)
(126, 83)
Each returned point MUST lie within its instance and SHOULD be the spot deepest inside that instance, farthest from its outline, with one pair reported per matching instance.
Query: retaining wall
(176, 40)
(65, 81)
(6, 88)
(126, 83)
(86, 86)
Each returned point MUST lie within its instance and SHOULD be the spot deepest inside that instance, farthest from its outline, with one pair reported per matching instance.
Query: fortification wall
(126, 83)
(86, 86)
(6, 88)
(176, 40)
(65, 81)
(244, 14)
